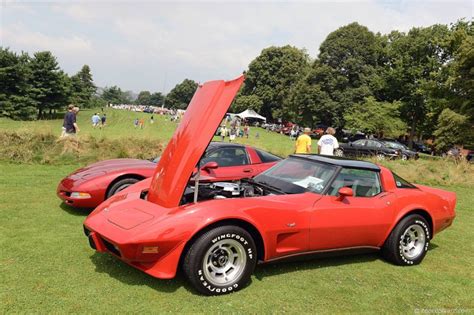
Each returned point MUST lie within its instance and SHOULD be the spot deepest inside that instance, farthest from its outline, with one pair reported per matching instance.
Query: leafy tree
(452, 129)
(115, 95)
(83, 88)
(380, 118)
(144, 98)
(157, 99)
(50, 86)
(15, 100)
(243, 102)
(180, 96)
(271, 76)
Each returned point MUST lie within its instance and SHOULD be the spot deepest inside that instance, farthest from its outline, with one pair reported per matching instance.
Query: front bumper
(65, 189)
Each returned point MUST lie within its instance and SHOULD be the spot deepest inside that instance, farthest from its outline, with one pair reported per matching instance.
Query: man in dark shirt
(69, 123)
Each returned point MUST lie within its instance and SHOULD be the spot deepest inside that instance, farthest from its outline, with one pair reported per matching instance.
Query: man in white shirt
(328, 143)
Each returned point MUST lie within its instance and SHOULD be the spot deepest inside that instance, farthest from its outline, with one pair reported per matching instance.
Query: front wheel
(221, 261)
(404, 157)
(408, 242)
(121, 185)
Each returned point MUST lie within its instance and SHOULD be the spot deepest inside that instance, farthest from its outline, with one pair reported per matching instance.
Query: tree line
(420, 82)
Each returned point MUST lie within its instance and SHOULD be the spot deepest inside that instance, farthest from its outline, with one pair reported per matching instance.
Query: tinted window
(266, 157)
(401, 183)
(364, 183)
(373, 144)
(227, 157)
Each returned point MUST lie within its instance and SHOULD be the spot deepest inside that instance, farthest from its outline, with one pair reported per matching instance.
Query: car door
(357, 148)
(356, 221)
(233, 161)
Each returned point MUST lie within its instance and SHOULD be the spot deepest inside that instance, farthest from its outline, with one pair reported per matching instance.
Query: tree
(115, 95)
(271, 76)
(83, 88)
(452, 129)
(380, 118)
(144, 98)
(15, 74)
(180, 96)
(156, 99)
(413, 73)
(243, 102)
(50, 86)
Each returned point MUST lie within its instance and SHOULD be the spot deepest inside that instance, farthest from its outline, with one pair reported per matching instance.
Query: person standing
(152, 121)
(103, 120)
(233, 131)
(95, 120)
(135, 123)
(303, 143)
(246, 131)
(328, 143)
(70, 126)
(223, 132)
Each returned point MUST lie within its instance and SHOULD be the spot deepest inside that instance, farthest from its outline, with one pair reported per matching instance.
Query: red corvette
(305, 204)
(91, 185)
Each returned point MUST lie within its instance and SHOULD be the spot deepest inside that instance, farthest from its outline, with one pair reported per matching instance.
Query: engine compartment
(224, 190)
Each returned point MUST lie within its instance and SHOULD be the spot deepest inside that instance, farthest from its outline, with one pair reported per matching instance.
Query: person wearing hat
(303, 143)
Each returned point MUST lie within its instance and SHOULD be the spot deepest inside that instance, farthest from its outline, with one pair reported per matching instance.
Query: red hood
(111, 165)
(203, 115)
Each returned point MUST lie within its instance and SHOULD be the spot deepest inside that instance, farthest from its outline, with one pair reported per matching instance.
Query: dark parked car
(368, 147)
(406, 153)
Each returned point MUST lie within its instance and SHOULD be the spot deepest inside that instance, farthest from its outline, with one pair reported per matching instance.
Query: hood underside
(188, 143)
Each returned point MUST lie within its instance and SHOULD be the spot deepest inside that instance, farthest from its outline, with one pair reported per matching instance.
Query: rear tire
(121, 185)
(380, 157)
(221, 260)
(408, 242)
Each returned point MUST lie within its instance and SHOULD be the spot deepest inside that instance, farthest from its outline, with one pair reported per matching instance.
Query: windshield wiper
(267, 185)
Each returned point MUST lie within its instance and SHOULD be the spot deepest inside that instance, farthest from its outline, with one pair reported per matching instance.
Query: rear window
(266, 157)
(402, 183)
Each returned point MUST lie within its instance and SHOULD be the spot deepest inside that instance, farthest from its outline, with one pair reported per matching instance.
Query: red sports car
(305, 204)
(89, 186)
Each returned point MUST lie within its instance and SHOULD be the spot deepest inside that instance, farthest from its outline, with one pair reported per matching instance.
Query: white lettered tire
(408, 242)
(221, 260)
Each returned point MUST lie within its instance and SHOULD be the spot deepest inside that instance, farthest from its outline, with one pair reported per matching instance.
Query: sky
(153, 45)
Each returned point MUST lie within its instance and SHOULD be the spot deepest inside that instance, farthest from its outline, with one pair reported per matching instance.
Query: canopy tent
(251, 114)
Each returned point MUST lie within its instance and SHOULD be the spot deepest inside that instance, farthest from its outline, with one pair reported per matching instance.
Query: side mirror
(344, 192)
(210, 166)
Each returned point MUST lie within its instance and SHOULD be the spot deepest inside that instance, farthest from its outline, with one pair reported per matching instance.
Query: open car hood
(188, 143)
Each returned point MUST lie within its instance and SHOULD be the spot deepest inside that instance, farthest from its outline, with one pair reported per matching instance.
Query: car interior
(364, 183)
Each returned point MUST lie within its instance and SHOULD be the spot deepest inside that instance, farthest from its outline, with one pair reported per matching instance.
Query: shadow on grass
(75, 211)
(126, 274)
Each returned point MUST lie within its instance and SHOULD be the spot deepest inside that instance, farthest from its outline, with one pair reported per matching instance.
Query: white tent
(249, 113)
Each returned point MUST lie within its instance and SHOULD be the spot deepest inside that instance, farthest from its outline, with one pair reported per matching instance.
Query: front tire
(121, 185)
(408, 242)
(221, 260)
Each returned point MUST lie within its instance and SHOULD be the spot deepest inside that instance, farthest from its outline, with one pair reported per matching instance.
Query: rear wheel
(221, 261)
(121, 185)
(380, 156)
(408, 242)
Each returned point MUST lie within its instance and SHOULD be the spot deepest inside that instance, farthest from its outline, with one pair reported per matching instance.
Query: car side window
(227, 157)
(364, 183)
(266, 157)
(373, 144)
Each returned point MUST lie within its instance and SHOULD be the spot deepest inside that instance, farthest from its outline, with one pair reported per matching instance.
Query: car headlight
(80, 195)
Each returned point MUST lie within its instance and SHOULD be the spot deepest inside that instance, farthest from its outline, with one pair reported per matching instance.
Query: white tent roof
(249, 113)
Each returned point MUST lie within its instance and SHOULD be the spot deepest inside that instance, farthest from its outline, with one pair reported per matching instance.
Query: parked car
(304, 204)
(91, 185)
(406, 153)
(368, 147)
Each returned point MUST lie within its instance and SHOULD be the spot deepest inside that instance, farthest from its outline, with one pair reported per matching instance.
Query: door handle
(247, 170)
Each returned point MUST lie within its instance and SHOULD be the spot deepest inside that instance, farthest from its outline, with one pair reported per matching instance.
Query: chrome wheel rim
(380, 157)
(413, 241)
(404, 157)
(339, 153)
(224, 262)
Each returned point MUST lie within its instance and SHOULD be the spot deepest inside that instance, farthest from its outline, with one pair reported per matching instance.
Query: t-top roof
(334, 160)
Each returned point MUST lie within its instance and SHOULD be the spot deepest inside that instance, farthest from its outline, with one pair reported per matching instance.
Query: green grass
(46, 264)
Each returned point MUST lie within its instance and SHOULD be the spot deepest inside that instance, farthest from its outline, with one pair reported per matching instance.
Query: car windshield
(297, 175)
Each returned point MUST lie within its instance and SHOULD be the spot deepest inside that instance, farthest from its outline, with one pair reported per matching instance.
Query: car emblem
(293, 224)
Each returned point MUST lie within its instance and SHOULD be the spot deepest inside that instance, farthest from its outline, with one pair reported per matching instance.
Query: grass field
(46, 265)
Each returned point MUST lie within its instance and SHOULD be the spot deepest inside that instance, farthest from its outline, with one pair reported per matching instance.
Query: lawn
(46, 264)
